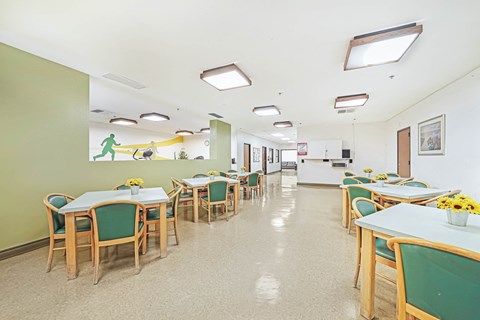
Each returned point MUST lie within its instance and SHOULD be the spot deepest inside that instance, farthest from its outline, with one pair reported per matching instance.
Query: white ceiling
(293, 47)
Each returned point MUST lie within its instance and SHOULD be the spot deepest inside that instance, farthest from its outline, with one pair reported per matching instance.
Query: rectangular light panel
(226, 77)
(355, 100)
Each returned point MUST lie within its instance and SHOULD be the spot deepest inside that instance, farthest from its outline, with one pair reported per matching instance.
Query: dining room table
(408, 220)
(151, 198)
(392, 192)
(197, 184)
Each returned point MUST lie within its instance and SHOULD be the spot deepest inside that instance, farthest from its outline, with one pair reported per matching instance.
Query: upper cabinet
(324, 149)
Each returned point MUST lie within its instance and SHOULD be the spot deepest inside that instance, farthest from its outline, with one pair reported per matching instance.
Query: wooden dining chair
(200, 175)
(222, 174)
(415, 183)
(232, 171)
(217, 196)
(434, 199)
(153, 216)
(364, 179)
(349, 174)
(56, 225)
(118, 222)
(436, 280)
(185, 197)
(363, 207)
(392, 175)
(347, 181)
(357, 191)
(251, 185)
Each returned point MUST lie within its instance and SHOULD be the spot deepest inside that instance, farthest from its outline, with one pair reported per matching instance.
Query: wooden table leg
(367, 289)
(345, 207)
(236, 191)
(195, 204)
(71, 245)
(163, 230)
(261, 184)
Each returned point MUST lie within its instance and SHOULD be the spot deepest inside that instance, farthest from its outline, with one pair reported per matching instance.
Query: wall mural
(109, 143)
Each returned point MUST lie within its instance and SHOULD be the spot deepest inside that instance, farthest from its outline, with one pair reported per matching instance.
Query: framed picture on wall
(302, 149)
(256, 154)
(270, 155)
(431, 136)
(277, 156)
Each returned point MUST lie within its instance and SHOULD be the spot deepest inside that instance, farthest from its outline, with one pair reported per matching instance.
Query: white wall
(256, 142)
(289, 155)
(367, 143)
(195, 145)
(460, 166)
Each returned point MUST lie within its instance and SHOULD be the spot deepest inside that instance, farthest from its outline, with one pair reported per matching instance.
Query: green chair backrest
(364, 179)
(393, 175)
(366, 208)
(217, 191)
(223, 174)
(200, 175)
(233, 176)
(418, 184)
(355, 192)
(252, 179)
(349, 174)
(58, 219)
(122, 187)
(443, 284)
(116, 220)
(347, 181)
(231, 170)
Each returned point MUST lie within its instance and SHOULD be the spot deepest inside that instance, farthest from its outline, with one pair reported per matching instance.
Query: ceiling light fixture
(291, 141)
(226, 77)
(354, 100)
(266, 111)
(153, 116)
(285, 139)
(205, 130)
(123, 121)
(277, 134)
(184, 132)
(283, 124)
(385, 46)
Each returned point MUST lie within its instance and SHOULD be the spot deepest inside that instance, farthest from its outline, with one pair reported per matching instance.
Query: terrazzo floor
(285, 256)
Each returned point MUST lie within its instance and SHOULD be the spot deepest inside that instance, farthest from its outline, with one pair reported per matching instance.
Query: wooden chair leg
(357, 263)
(226, 210)
(50, 254)
(137, 259)
(208, 211)
(176, 230)
(92, 253)
(96, 264)
(144, 240)
(349, 221)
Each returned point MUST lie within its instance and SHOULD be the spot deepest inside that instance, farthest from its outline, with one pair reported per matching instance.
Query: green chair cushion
(155, 214)
(383, 251)
(186, 195)
(82, 225)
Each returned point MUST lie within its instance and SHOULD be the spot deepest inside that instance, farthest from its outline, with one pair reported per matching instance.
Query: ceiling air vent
(343, 111)
(124, 80)
(216, 115)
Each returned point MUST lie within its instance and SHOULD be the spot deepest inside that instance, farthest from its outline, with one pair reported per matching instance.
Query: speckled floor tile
(285, 256)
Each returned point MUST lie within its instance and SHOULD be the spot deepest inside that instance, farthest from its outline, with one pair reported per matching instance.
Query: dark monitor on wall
(346, 154)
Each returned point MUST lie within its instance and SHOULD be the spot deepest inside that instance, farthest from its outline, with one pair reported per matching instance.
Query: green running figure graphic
(109, 142)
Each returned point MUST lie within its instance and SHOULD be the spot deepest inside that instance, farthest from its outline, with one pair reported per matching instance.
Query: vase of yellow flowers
(134, 184)
(212, 174)
(243, 169)
(458, 208)
(380, 179)
(368, 171)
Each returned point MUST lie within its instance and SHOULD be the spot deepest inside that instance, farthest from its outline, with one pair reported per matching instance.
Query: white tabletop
(396, 179)
(88, 199)
(402, 192)
(408, 220)
(201, 182)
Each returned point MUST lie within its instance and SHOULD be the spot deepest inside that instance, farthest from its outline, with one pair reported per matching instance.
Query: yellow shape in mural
(150, 148)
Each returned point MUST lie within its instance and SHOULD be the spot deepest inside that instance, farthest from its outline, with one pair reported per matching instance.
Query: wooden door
(246, 156)
(403, 152)
(264, 160)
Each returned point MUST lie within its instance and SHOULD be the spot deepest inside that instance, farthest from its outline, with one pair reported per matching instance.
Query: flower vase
(368, 174)
(242, 171)
(457, 218)
(380, 183)
(212, 177)
(134, 190)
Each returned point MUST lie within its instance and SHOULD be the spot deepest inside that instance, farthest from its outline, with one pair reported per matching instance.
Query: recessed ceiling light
(385, 46)
(184, 132)
(205, 130)
(277, 134)
(291, 141)
(354, 100)
(153, 116)
(123, 121)
(266, 111)
(283, 124)
(285, 139)
(226, 77)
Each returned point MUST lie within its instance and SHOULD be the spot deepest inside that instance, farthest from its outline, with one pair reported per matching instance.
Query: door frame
(410, 153)
(249, 156)
(264, 160)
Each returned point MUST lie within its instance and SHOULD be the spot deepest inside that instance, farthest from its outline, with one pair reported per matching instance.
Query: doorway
(403, 152)
(246, 156)
(264, 160)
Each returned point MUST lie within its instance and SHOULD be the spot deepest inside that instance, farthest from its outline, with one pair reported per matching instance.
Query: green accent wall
(44, 142)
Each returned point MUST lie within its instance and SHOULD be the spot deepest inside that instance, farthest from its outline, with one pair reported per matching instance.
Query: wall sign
(431, 136)
(302, 149)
